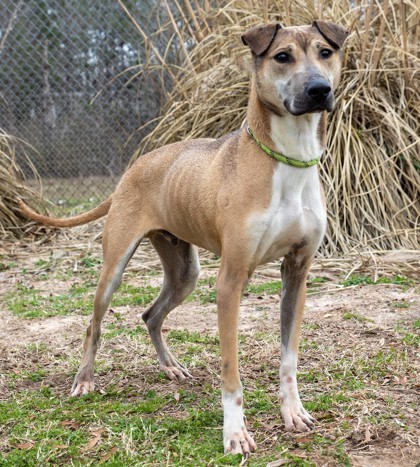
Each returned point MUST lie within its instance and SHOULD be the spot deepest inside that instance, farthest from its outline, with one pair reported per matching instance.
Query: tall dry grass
(12, 221)
(371, 168)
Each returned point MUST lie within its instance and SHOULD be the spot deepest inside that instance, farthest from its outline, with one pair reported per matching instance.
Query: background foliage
(85, 82)
(371, 168)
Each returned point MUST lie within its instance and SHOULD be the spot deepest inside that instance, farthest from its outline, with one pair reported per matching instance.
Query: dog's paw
(236, 439)
(239, 442)
(82, 388)
(296, 418)
(175, 373)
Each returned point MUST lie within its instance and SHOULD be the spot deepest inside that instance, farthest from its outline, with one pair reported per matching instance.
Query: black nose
(318, 90)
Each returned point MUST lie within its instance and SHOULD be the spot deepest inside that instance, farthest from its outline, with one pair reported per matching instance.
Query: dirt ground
(341, 320)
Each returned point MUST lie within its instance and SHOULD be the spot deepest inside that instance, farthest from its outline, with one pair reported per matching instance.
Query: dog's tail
(95, 213)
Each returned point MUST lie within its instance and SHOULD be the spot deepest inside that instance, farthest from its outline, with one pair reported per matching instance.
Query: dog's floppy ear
(259, 38)
(332, 33)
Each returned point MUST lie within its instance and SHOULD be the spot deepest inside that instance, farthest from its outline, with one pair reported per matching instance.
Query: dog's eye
(326, 53)
(282, 57)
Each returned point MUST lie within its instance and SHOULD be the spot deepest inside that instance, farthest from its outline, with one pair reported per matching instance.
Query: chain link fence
(72, 90)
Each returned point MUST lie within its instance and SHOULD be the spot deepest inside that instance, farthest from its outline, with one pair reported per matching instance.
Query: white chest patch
(295, 213)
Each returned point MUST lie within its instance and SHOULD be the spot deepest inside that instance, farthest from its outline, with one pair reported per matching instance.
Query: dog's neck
(301, 137)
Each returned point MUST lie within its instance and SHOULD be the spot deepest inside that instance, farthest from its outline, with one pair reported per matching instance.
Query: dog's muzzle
(316, 97)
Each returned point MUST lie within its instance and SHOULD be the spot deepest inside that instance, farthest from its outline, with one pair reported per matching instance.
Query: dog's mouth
(314, 95)
(297, 108)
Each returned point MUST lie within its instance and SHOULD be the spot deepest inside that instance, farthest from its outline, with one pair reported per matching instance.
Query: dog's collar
(280, 157)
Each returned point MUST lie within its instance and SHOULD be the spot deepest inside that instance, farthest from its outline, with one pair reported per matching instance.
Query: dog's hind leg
(118, 248)
(181, 268)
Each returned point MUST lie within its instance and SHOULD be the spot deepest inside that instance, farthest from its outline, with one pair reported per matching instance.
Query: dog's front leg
(230, 284)
(294, 272)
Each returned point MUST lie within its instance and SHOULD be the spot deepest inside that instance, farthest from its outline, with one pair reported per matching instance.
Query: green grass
(356, 279)
(44, 427)
(412, 339)
(113, 330)
(205, 291)
(30, 302)
(132, 295)
(4, 266)
(189, 440)
(399, 304)
(410, 335)
(147, 420)
(356, 317)
(141, 422)
(268, 288)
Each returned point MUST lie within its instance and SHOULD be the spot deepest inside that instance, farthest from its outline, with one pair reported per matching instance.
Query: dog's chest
(295, 215)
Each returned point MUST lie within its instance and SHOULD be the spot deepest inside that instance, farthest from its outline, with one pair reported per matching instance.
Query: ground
(358, 367)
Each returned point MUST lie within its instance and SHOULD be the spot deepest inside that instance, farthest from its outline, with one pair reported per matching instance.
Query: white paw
(296, 418)
(82, 388)
(236, 439)
(239, 442)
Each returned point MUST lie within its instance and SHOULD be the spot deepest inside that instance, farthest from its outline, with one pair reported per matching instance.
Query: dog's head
(296, 69)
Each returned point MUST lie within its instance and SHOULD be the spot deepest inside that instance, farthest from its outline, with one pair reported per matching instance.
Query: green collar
(279, 157)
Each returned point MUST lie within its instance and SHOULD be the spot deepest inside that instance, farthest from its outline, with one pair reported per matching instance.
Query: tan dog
(227, 195)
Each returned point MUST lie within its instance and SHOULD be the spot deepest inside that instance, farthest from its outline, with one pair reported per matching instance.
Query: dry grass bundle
(12, 222)
(371, 168)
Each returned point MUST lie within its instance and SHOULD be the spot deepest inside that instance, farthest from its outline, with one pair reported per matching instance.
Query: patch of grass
(9, 265)
(206, 292)
(317, 280)
(329, 447)
(269, 288)
(184, 336)
(339, 376)
(324, 402)
(37, 375)
(143, 423)
(401, 304)
(355, 316)
(412, 339)
(354, 374)
(35, 347)
(145, 430)
(261, 401)
(129, 294)
(42, 263)
(91, 261)
(356, 279)
(381, 364)
(113, 330)
(142, 431)
(28, 302)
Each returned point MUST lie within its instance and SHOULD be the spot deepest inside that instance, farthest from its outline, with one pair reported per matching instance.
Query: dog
(252, 196)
